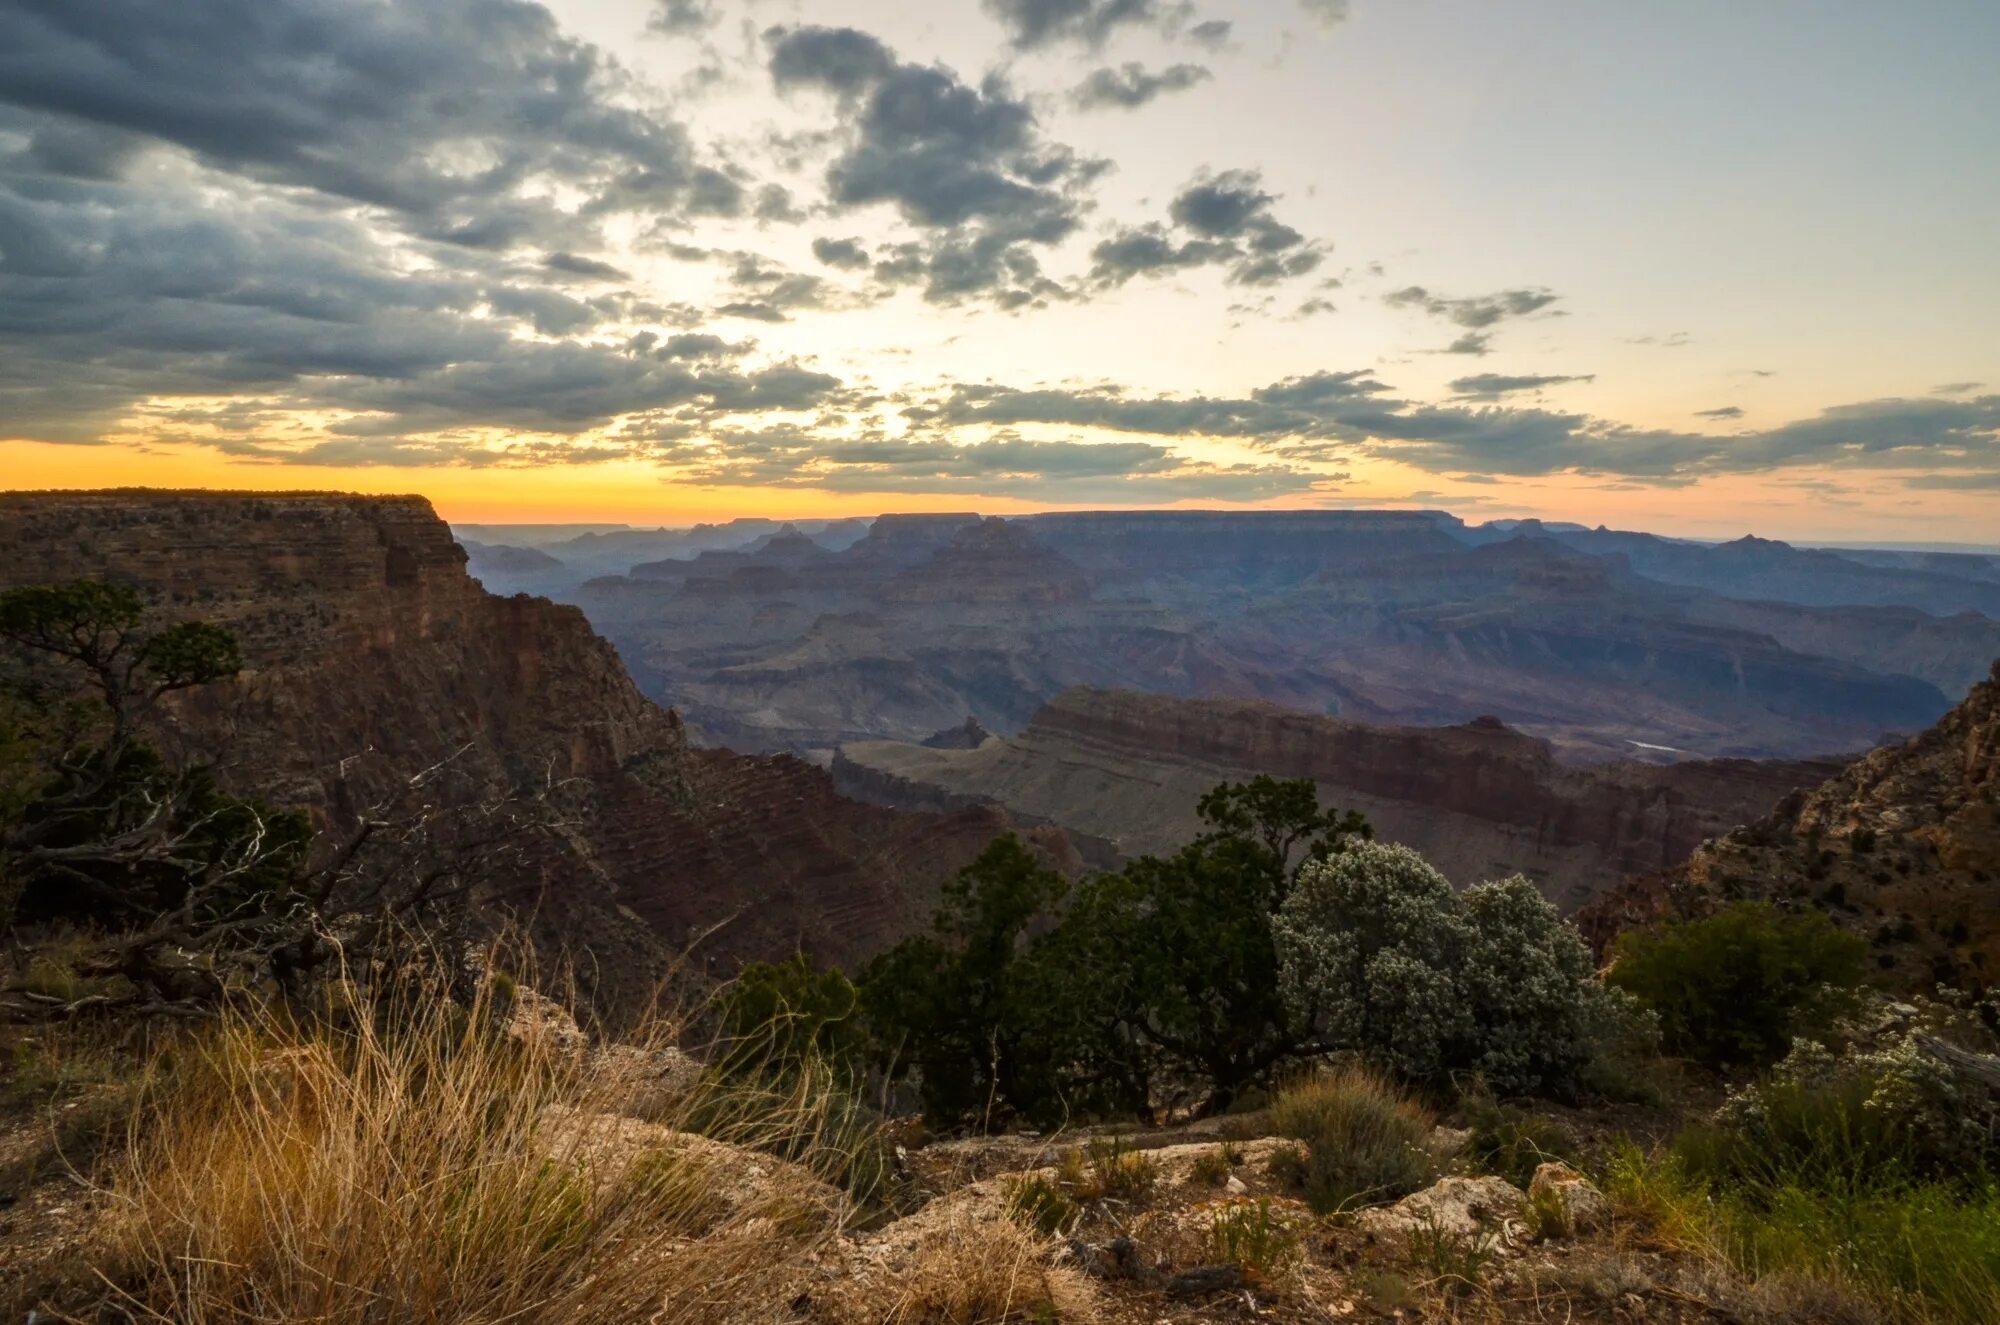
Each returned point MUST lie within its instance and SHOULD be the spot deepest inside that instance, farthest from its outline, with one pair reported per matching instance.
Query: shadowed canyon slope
(371, 655)
(1903, 847)
(1479, 800)
(786, 643)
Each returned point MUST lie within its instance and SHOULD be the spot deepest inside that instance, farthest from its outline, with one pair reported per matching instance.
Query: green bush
(1382, 957)
(1366, 1142)
(1734, 990)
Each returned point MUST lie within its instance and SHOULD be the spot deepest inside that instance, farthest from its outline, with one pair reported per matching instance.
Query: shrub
(1831, 1121)
(1260, 1236)
(1106, 1168)
(1211, 1168)
(1511, 1142)
(1383, 958)
(1366, 1142)
(1735, 989)
(1041, 1205)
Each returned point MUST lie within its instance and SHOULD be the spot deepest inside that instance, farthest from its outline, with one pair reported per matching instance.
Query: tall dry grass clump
(1366, 1141)
(430, 1163)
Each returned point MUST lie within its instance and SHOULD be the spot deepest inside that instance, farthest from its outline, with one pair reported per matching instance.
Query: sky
(1705, 269)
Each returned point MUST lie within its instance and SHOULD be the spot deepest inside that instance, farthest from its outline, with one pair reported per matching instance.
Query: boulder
(1457, 1206)
(1559, 1189)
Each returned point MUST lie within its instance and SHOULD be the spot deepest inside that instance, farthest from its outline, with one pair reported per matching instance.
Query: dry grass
(1366, 1141)
(969, 1272)
(445, 1172)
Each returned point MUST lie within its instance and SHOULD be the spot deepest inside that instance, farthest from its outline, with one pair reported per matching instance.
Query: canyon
(1608, 645)
(1902, 847)
(1122, 773)
(372, 658)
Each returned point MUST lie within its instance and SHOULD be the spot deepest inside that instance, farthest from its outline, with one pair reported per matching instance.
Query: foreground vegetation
(263, 1075)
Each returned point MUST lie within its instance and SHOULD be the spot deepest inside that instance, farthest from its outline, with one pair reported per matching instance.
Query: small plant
(1232, 1153)
(1211, 1167)
(1108, 1169)
(1548, 1217)
(1041, 1205)
(1287, 1166)
(1365, 1140)
(1510, 1142)
(1259, 1236)
(1453, 1259)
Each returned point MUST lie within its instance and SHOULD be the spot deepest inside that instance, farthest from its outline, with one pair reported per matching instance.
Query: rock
(745, 1186)
(645, 1083)
(1205, 1281)
(1557, 1186)
(1461, 1207)
(1235, 1186)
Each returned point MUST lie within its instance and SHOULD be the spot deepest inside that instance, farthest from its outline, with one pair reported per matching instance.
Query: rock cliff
(1479, 799)
(1902, 846)
(371, 654)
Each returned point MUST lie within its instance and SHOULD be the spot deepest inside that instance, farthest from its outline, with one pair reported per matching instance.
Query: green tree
(1196, 931)
(946, 1003)
(778, 1017)
(1735, 989)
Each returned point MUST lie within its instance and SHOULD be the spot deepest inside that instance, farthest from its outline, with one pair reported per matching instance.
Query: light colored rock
(1457, 1206)
(744, 1186)
(1583, 1207)
(1235, 1186)
(645, 1083)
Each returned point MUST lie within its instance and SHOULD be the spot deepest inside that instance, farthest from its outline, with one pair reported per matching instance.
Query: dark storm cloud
(965, 165)
(1133, 85)
(1491, 386)
(1222, 220)
(1033, 23)
(449, 116)
(1720, 412)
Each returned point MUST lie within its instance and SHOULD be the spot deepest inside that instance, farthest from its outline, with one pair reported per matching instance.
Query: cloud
(1034, 23)
(1133, 85)
(1222, 220)
(1491, 386)
(966, 166)
(1212, 34)
(1071, 473)
(680, 18)
(1326, 13)
(1478, 312)
(450, 118)
(845, 253)
(572, 264)
(1721, 412)
(1956, 388)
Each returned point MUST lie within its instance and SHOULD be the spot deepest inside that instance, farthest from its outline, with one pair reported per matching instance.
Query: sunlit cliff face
(659, 260)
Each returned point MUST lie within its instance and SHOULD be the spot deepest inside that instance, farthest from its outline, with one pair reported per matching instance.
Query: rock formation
(1480, 800)
(1902, 847)
(371, 655)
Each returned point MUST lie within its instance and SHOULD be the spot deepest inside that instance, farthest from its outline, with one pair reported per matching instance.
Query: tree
(1380, 956)
(1190, 934)
(946, 1003)
(1735, 989)
(778, 1017)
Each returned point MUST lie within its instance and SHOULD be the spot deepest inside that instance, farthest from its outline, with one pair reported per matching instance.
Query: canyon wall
(1480, 799)
(371, 655)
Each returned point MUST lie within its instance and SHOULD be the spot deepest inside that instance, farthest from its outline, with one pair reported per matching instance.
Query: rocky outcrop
(1480, 799)
(371, 655)
(1902, 846)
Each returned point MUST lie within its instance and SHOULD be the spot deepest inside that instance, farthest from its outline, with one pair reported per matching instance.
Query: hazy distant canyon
(1608, 645)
